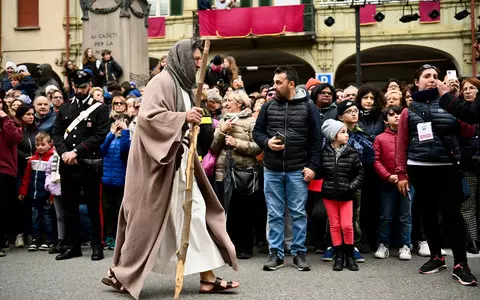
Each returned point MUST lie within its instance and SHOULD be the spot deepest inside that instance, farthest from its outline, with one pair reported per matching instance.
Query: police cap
(81, 78)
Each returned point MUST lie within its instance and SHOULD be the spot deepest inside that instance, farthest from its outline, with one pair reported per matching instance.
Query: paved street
(38, 276)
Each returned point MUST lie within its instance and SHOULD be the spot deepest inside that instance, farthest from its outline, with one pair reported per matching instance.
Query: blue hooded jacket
(114, 151)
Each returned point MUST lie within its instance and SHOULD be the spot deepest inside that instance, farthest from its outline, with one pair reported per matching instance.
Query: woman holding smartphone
(427, 156)
(234, 133)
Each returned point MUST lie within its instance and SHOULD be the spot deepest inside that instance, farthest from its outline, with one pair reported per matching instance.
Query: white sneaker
(444, 253)
(44, 247)
(382, 251)
(423, 249)
(404, 253)
(19, 241)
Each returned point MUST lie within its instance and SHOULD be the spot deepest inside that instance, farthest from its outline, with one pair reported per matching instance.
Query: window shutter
(264, 2)
(306, 2)
(176, 7)
(27, 13)
(245, 3)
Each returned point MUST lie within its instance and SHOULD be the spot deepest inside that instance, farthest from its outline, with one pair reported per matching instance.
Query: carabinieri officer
(80, 128)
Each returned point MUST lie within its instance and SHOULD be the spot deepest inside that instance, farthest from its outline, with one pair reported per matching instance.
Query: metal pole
(472, 29)
(358, 57)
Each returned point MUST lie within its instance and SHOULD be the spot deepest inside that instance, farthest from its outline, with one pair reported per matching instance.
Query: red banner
(242, 22)
(425, 8)
(156, 27)
(367, 14)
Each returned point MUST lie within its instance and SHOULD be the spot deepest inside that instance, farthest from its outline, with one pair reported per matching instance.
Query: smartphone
(240, 77)
(452, 74)
(118, 117)
(281, 137)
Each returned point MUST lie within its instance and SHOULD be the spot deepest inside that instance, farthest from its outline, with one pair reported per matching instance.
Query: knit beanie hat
(22, 110)
(217, 60)
(10, 64)
(331, 127)
(311, 82)
(343, 106)
(22, 68)
(25, 99)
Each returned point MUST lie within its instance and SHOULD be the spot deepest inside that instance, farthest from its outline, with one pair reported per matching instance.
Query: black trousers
(438, 190)
(241, 220)
(8, 193)
(370, 207)
(319, 220)
(72, 186)
(112, 197)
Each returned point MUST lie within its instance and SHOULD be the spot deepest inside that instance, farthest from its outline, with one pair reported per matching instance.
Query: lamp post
(358, 55)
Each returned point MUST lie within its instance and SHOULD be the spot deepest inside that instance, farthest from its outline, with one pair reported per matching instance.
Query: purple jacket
(52, 187)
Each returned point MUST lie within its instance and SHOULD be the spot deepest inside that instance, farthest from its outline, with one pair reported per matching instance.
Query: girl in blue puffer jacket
(114, 152)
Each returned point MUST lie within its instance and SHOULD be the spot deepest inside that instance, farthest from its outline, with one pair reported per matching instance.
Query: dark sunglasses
(428, 66)
(137, 107)
(118, 103)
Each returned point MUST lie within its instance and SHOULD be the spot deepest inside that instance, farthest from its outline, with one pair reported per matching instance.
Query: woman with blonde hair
(162, 63)
(233, 143)
(119, 110)
(97, 94)
(233, 72)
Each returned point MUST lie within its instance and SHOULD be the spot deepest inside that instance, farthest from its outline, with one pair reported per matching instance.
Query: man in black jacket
(288, 128)
(80, 166)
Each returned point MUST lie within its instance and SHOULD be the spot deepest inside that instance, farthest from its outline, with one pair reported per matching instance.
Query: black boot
(339, 258)
(472, 247)
(351, 264)
(57, 248)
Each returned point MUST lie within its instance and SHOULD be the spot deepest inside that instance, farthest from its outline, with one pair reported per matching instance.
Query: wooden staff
(187, 204)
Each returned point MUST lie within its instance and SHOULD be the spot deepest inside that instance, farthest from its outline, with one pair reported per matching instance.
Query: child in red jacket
(392, 203)
(33, 187)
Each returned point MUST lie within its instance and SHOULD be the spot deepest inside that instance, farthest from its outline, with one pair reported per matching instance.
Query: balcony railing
(255, 21)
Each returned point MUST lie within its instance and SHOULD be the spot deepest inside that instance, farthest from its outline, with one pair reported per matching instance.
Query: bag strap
(81, 117)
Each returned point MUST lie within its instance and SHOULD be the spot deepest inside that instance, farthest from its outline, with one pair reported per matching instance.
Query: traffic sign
(325, 77)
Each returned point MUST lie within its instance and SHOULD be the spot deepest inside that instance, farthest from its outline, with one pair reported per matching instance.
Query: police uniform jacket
(86, 138)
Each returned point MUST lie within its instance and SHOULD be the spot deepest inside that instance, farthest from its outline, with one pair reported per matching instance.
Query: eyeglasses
(351, 112)
(428, 66)
(326, 93)
(118, 103)
(350, 95)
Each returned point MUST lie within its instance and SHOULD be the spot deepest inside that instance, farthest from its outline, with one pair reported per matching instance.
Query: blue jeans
(289, 187)
(393, 204)
(42, 216)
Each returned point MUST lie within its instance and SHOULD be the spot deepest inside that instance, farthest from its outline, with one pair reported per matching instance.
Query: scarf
(181, 66)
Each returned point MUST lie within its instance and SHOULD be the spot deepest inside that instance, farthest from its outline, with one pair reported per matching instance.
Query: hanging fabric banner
(265, 20)
(429, 11)
(367, 14)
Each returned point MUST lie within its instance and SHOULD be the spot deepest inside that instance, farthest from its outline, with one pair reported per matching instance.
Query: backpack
(363, 146)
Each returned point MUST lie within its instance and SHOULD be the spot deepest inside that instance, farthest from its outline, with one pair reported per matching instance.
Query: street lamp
(408, 18)
(462, 14)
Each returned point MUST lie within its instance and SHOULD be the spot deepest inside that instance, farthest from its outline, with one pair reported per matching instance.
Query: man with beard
(466, 111)
(288, 129)
(80, 128)
(151, 216)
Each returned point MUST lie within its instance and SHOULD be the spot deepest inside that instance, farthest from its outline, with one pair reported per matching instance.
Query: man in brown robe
(155, 154)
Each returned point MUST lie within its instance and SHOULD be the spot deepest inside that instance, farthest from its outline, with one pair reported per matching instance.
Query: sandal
(217, 286)
(113, 282)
